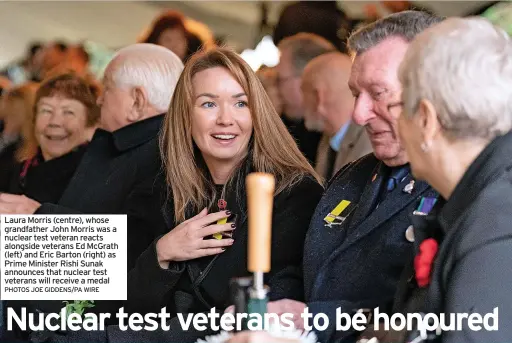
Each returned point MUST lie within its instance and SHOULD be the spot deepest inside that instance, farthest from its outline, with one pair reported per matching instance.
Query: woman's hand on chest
(187, 240)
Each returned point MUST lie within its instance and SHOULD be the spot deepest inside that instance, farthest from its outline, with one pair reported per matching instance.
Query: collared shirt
(133, 135)
(335, 141)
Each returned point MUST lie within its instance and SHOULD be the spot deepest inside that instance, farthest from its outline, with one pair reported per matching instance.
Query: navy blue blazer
(358, 264)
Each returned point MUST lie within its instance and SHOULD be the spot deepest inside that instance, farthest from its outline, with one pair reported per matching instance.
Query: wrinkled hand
(289, 306)
(17, 204)
(185, 241)
(258, 337)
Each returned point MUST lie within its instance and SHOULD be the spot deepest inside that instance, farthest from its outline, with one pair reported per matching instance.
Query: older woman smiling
(64, 119)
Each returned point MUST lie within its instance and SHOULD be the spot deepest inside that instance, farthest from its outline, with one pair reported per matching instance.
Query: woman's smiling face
(221, 118)
(60, 125)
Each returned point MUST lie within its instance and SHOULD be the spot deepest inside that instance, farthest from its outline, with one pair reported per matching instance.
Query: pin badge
(374, 177)
(338, 215)
(409, 187)
(426, 205)
(222, 204)
(409, 233)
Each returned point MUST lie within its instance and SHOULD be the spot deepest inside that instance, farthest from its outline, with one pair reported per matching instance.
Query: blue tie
(395, 177)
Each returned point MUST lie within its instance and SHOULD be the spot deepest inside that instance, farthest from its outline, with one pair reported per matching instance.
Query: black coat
(472, 269)
(306, 140)
(119, 174)
(358, 264)
(44, 182)
(292, 212)
(8, 162)
(470, 272)
(151, 287)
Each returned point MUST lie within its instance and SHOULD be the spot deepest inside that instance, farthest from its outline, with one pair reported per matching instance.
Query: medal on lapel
(409, 187)
(222, 204)
(426, 205)
(338, 214)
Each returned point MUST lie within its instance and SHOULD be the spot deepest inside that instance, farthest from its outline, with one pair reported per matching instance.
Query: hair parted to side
(271, 147)
(304, 47)
(475, 100)
(150, 66)
(406, 24)
(72, 86)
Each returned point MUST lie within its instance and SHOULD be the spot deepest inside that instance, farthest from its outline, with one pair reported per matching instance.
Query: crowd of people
(390, 153)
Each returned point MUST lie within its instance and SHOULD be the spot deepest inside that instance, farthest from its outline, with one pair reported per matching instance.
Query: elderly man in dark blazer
(120, 171)
(358, 241)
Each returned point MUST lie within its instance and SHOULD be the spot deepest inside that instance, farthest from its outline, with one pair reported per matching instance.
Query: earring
(425, 146)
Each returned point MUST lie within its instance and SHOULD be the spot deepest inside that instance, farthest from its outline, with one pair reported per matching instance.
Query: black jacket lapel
(396, 201)
(369, 196)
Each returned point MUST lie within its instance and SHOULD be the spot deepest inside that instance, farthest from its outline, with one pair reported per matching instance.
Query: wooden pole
(260, 199)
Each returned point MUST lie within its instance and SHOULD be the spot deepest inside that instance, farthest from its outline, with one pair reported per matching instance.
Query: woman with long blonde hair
(221, 125)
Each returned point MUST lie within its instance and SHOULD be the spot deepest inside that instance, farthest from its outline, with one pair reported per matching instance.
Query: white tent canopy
(118, 23)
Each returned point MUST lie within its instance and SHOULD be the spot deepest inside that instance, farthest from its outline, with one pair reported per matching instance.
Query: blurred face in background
(36, 61)
(288, 83)
(268, 78)
(51, 57)
(396, 6)
(60, 125)
(312, 120)
(221, 118)
(175, 40)
(76, 60)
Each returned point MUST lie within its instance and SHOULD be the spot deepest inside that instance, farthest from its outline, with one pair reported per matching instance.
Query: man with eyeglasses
(296, 52)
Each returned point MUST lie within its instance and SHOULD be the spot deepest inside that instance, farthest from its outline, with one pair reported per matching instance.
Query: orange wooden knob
(260, 200)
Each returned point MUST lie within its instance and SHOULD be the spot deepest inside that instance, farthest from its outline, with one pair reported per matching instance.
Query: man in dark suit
(359, 242)
(118, 174)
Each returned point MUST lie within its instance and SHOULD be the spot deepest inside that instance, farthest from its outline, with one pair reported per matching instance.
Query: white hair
(464, 67)
(152, 67)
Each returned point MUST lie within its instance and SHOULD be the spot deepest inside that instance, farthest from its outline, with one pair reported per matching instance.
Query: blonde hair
(271, 147)
(25, 95)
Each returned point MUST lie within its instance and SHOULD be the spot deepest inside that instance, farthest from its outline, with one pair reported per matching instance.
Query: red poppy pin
(424, 260)
(222, 204)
